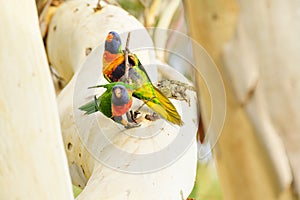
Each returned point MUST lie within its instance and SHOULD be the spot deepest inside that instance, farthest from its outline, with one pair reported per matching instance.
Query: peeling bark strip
(32, 156)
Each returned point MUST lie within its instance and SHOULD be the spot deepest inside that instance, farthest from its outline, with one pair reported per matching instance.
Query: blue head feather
(113, 43)
(124, 99)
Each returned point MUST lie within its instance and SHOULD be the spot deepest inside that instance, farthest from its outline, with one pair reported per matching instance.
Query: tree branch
(126, 58)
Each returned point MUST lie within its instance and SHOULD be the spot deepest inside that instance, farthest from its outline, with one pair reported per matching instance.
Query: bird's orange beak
(118, 93)
(109, 37)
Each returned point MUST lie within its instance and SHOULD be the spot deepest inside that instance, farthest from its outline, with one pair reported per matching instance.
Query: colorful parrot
(113, 103)
(114, 70)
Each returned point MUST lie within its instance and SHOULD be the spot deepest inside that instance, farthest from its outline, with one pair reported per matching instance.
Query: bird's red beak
(109, 37)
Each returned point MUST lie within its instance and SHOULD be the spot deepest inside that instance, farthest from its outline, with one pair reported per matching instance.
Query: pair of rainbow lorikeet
(117, 99)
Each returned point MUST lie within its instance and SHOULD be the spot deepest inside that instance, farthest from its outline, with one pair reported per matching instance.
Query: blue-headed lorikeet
(113, 103)
(114, 70)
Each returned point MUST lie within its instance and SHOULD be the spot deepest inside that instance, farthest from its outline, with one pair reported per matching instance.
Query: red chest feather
(109, 57)
(121, 110)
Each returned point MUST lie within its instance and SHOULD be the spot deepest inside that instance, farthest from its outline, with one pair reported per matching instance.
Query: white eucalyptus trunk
(32, 156)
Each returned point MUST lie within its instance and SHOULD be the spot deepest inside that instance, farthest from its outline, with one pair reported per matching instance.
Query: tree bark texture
(255, 47)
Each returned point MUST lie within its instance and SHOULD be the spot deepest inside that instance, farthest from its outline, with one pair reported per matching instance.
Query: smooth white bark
(32, 157)
(102, 182)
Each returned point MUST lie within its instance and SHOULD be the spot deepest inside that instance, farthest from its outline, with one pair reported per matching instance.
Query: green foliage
(207, 185)
(76, 190)
(134, 7)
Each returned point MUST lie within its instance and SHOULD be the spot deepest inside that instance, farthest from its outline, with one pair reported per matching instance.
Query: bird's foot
(133, 116)
(128, 124)
(152, 117)
(131, 125)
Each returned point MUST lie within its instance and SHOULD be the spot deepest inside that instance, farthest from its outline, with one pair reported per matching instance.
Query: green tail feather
(89, 108)
(165, 108)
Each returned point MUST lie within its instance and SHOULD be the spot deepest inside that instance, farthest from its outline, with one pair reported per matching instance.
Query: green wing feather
(89, 108)
(104, 103)
(158, 102)
(138, 64)
(154, 98)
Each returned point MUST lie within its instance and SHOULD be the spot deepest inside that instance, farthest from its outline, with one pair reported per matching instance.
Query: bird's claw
(133, 116)
(152, 117)
(131, 125)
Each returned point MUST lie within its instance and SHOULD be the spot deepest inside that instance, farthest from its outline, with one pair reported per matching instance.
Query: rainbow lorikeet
(113, 103)
(114, 70)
